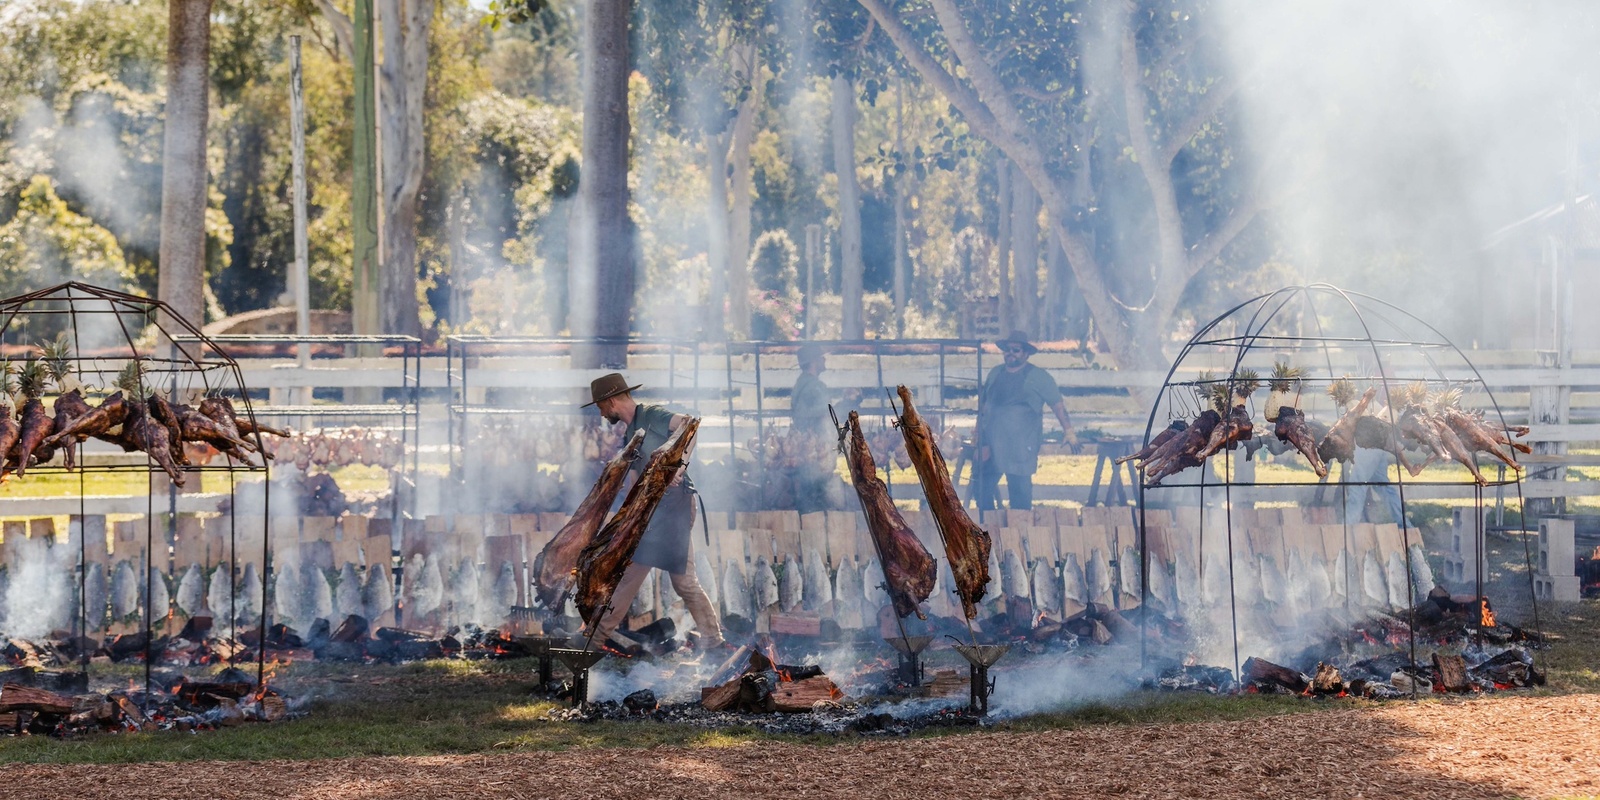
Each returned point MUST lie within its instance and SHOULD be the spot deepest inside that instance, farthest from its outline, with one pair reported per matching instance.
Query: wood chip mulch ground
(1537, 747)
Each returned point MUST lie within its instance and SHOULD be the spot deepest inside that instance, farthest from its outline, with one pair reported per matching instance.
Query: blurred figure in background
(1371, 466)
(808, 401)
(808, 411)
(1011, 423)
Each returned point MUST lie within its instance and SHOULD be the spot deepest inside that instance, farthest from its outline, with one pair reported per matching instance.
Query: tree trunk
(602, 279)
(1025, 253)
(1053, 315)
(717, 304)
(741, 193)
(404, 86)
(366, 307)
(1003, 247)
(985, 102)
(181, 280)
(899, 196)
(844, 167)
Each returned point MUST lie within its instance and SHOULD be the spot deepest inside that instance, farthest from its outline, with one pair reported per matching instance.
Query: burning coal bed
(46, 690)
(1468, 652)
(1364, 655)
(174, 702)
(751, 690)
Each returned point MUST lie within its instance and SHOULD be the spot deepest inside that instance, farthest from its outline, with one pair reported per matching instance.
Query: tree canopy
(1100, 172)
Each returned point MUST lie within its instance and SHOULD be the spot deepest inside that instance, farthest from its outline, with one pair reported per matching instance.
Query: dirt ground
(1506, 746)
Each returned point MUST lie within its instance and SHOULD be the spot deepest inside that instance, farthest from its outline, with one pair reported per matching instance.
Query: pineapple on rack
(1229, 400)
(57, 358)
(1342, 391)
(1284, 379)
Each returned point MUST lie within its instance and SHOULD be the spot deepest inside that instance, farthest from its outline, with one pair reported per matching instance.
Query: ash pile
(174, 702)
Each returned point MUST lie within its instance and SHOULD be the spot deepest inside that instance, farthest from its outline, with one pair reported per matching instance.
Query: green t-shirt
(1012, 408)
(656, 422)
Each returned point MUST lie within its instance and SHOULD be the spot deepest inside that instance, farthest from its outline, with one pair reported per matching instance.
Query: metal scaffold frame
(1297, 319)
(173, 355)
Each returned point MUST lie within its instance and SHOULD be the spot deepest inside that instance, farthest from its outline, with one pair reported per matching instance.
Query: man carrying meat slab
(1011, 423)
(665, 544)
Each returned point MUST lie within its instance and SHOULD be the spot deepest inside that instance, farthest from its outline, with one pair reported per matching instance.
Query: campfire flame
(1486, 618)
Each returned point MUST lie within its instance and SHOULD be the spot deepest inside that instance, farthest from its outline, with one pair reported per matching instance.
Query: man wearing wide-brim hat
(809, 399)
(1011, 423)
(666, 542)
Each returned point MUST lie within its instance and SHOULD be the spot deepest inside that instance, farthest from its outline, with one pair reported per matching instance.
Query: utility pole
(302, 277)
(899, 212)
(364, 298)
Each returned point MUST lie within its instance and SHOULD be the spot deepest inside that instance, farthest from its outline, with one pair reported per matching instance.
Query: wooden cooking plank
(96, 549)
(378, 550)
(1041, 541)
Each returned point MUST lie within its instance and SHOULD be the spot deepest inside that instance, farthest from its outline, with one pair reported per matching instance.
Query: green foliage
(57, 356)
(32, 379)
(1286, 378)
(774, 262)
(45, 242)
(82, 104)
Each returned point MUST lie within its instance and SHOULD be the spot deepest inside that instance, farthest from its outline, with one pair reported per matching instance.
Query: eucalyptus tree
(710, 62)
(841, 48)
(183, 178)
(1117, 116)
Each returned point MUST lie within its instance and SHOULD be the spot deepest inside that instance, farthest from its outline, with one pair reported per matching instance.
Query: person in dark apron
(1011, 423)
(666, 541)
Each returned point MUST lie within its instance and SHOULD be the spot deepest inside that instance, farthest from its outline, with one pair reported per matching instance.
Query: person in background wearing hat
(808, 412)
(665, 544)
(808, 401)
(1011, 423)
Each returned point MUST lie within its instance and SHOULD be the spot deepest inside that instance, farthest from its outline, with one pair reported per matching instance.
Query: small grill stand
(579, 662)
(980, 657)
(542, 648)
(908, 649)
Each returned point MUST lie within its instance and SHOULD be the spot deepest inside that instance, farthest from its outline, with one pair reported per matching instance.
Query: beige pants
(687, 587)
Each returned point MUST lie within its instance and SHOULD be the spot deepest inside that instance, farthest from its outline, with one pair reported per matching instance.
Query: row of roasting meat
(338, 448)
(511, 441)
(150, 424)
(1439, 431)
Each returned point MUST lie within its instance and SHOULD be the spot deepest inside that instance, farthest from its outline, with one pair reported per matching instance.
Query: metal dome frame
(1254, 336)
(176, 361)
